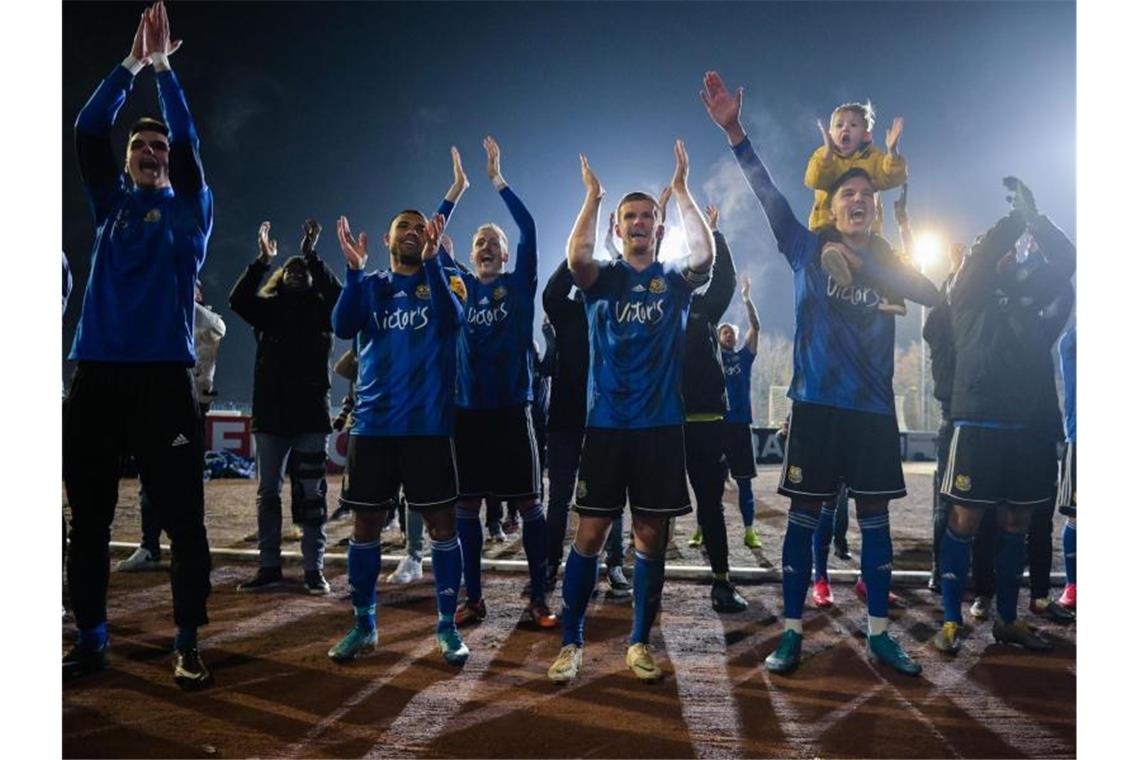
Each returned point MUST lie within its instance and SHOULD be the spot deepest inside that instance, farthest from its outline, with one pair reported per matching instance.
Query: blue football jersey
(637, 325)
(738, 383)
(495, 345)
(844, 344)
(405, 328)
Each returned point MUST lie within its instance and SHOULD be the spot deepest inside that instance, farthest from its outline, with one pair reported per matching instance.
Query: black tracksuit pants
(148, 411)
(704, 451)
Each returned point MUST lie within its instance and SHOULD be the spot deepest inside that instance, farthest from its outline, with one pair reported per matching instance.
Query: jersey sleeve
(186, 174)
(792, 238)
(102, 178)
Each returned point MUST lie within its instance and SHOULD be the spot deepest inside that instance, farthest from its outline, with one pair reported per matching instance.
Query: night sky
(319, 109)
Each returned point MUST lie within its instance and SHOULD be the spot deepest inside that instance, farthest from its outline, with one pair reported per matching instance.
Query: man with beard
(404, 321)
(290, 317)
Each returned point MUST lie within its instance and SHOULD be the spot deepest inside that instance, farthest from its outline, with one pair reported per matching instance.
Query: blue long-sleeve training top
(138, 305)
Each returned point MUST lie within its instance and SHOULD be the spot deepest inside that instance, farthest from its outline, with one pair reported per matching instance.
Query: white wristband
(132, 64)
(499, 182)
(160, 61)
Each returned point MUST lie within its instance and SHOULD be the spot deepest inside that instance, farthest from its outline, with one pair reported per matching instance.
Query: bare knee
(650, 534)
(591, 534)
(440, 523)
(1016, 519)
(870, 508)
(367, 525)
(964, 521)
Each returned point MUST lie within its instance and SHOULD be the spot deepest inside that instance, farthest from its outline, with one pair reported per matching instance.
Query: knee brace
(307, 482)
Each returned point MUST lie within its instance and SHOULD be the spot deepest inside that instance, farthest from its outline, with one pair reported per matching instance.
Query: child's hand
(893, 135)
(830, 148)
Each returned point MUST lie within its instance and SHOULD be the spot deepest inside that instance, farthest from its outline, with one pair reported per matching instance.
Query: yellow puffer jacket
(886, 172)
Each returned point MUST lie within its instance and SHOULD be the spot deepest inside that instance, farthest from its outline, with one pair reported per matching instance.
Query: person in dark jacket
(290, 317)
(706, 404)
(938, 332)
(1007, 311)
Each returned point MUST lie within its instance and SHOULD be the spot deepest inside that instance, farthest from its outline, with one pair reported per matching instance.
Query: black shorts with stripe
(645, 467)
(738, 451)
(989, 466)
(378, 467)
(827, 446)
(496, 453)
(1067, 488)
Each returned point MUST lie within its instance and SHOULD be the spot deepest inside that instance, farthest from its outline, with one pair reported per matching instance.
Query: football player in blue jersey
(495, 442)
(133, 391)
(634, 446)
(842, 425)
(404, 321)
(738, 452)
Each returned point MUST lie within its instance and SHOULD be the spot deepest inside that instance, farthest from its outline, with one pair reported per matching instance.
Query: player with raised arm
(738, 450)
(634, 446)
(496, 450)
(1007, 312)
(842, 425)
(405, 321)
(133, 391)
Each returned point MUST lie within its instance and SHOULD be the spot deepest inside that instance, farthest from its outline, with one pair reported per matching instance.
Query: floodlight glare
(928, 247)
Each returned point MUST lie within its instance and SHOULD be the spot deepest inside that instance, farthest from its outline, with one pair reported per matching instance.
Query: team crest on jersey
(499, 293)
(580, 491)
(962, 483)
(153, 215)
(457, 287)
(657, 285)
(423, 291)
(795, 475)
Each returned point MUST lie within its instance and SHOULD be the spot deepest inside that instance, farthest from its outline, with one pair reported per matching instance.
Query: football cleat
(786, 658)
(640, 661)
(356, 643)
(821, 594)
(947, 639)
(470, 613)
(451, 645)
(1018, 632)
(565, 668)
(882, 648)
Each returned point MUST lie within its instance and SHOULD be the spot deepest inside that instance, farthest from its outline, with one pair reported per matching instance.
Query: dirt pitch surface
(276, 694)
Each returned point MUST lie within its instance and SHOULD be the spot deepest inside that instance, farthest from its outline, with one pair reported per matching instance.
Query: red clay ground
(277, 694)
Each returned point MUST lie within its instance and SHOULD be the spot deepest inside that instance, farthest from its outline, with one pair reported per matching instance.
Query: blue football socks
(796, 561)
(534, 546)
(577, 586)
(471, 537)
(875, 562)
(648, 580)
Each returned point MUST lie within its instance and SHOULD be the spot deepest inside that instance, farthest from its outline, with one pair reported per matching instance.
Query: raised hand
(828, 143)
(446, 243)
(663, 201)
(156, 31)
(723, 107)
(493, 169)
(680, 182)
(355, 251)
(267, 248)
(593, 187)
(433, 233)
(138, 45)
(745, 287)
(713, 215)
(900, 206)
(459, 184)
(893, 135)
(311, 231)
